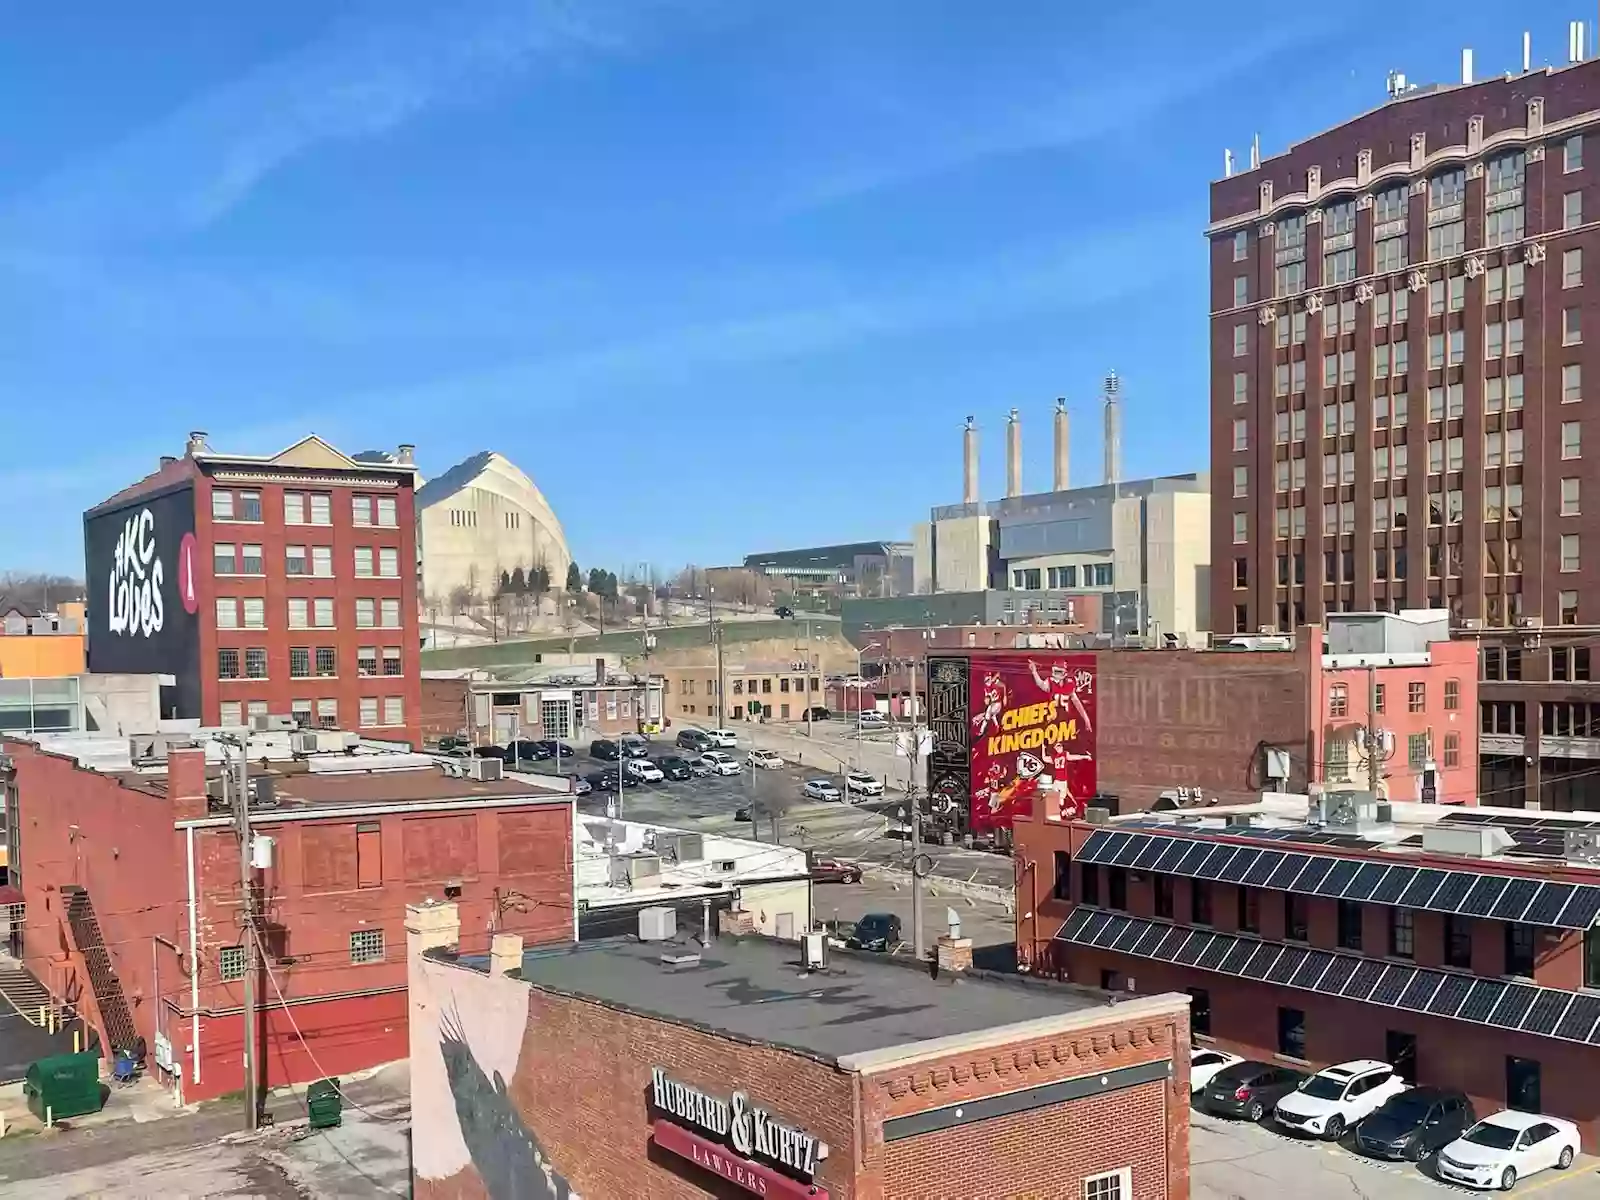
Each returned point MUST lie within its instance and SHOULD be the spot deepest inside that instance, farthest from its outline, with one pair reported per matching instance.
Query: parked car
(743, 815)
(674, 767)
(766, 759)
(1508, 1146)
(721, 763)
(1414, 1124)
(875, 931)
(821, 789)
(489, 752)
(697, 740)
(783, 612)
(1339, 1097)
(580, 785)
(605, 749)
(863, 784)
(634, 746)
(525, 750)
(606, 780)
(817, 713)
(1248, 1089)
(554, 746)
(1204, 1063)
(871, 718)
(723, 739)
(700, 768)
(643, 769)
(831, 870)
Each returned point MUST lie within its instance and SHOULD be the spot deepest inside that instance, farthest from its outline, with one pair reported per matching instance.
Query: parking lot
(1229, 1160)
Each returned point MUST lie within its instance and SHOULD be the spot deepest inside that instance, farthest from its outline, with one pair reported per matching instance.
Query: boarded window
(440, 848)
(369, 854)
(328, 857)
(534, 843)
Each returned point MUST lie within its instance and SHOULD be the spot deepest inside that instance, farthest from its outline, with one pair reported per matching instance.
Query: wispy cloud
(362, 78)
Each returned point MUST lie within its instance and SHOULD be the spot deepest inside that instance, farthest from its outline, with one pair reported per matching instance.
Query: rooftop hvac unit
(1468, 841)
(630, 870)
(1582, 845)
(1241, 820)
(143, 749)
(263, 792)
(485, 770)
(677, 846)
(271, 723)
(303, 742)
(657, 924)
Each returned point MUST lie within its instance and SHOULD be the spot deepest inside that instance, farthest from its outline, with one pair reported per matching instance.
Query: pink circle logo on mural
(186, 592)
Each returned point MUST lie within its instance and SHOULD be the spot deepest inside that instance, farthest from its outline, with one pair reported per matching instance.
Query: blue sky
(721, 276)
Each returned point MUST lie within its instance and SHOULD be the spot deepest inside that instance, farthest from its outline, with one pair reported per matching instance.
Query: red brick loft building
(278, 585)
(1458, 945)
(131, 879)
(728, 1069)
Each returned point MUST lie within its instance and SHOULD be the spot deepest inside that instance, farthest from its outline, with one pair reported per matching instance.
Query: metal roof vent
(1468, 841)
(657, 924)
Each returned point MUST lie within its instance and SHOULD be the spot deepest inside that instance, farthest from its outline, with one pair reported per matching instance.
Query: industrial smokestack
(1014, 454)
(969, 463)
(1113, 428)
(1063, 435)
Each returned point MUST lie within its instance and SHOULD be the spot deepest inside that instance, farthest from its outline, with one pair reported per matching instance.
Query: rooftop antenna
(1466, 65)
(1527, 51)
(1113, 431)
(1255, 152)
(1227, 164)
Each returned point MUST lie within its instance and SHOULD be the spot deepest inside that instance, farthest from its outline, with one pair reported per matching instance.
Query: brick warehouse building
(283, 585)
(871, 1079)
(1459, 946)
(1400, 352)
(131, 880)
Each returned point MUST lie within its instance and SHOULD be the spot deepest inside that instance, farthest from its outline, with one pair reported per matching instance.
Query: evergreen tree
(574, 578)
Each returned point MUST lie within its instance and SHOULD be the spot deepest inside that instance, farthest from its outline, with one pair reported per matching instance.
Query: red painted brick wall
(444, 709)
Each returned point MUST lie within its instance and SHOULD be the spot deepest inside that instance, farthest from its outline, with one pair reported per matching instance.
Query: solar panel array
(1547, 1012)
(1468, 893)
(1535, 837)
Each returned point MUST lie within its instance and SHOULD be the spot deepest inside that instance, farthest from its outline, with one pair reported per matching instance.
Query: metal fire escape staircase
(84, 927)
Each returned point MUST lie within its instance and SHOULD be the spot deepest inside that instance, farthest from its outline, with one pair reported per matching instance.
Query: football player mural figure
(994, 703)
(1064, 806)
(1063, 688)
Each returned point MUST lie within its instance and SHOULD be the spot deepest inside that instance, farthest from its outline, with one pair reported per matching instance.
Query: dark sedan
(552, 747)
(606, 781)
(875, 931)
(525, 750)
(674, 767)
(1414, 1124)
(1248, 1089)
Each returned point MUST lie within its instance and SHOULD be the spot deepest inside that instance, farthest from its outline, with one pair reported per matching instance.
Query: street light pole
(859, 688)
(915, 751)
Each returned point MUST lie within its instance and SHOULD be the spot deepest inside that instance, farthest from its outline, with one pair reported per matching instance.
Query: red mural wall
(1032, 737)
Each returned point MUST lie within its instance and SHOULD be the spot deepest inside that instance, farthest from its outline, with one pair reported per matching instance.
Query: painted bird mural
(504, 1151)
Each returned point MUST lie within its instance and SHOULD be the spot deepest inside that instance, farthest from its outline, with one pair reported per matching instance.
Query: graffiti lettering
(135, 605)
(1032, 739)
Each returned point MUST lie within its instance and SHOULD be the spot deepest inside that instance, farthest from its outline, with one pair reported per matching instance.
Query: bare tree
(462, 598)
(36, 590)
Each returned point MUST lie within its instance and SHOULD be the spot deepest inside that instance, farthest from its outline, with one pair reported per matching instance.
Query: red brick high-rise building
(282, 585)
(1402, 346)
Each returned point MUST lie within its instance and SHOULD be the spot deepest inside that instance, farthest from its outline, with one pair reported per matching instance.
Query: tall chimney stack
(1113, 429)
(969, 463)
(1014, 454)
(1063, 436)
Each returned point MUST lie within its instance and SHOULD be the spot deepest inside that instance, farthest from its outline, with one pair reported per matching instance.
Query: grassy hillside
(625, 641)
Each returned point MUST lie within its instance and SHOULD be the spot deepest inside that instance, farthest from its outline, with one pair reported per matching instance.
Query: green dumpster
(67, 1085)
(325, 1103)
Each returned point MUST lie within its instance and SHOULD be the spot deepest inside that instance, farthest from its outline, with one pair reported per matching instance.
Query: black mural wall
(142, 577)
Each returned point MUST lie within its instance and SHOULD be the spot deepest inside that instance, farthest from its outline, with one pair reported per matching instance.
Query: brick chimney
(953, 954)
(186, 782)
(505, 953)
(432, 924)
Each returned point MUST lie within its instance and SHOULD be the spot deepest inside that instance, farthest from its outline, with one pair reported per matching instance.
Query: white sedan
(821, 789)
(1338, 1098)
(863, 784)
(1508, 1146)
(764, 758)
(1204, 1063)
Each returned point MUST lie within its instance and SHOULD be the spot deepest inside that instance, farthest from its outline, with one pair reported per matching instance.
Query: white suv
(720, 763)
(863, 784)
(724, 739)
(643, 768)
(764, 758)
(1338, 1098)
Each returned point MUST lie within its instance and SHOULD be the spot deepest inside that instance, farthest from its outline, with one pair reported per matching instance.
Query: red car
(831, 870)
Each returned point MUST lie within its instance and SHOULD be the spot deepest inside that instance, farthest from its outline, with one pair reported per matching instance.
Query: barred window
(230, 963)
(366, 946)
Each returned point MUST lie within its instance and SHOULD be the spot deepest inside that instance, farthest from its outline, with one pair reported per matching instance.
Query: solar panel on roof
(1546, 1012)
(1452, 892)
(1238, 954)
(1261, 961)
(1392, 984)
(1337, 879)
(1366, 879)
(1466, 818)
(1480, 1001)
(1480, 900)
(1074, 923)
(1218, 859)
(1421, 888)
(1194, 948)
(1172, 849)
(1337, 975)
(1316, 871)
(1514, 900)
(1582, 909)
(1196, 854)
(1363, 979)
(1149, 939)
(1211, 958)
(1129, 937)
(1284, 875)
(1101, 846)
(1108, 932)
(1547, 905)
(1513, 1006)
(1171, 944)
(1447, 1000)
(1149, 852)
(1420, 990)
(1288, 963)
(1241, 863)
(1392, 885)
(1129, 850)
(1577, 1024)
(1261, 870)
(1311, 969)
(1096, 923)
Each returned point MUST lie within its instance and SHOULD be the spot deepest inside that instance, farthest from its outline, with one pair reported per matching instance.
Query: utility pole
(240, 789)
(915, 752)
(808, 677)
(1374, 748)
(722, 683)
